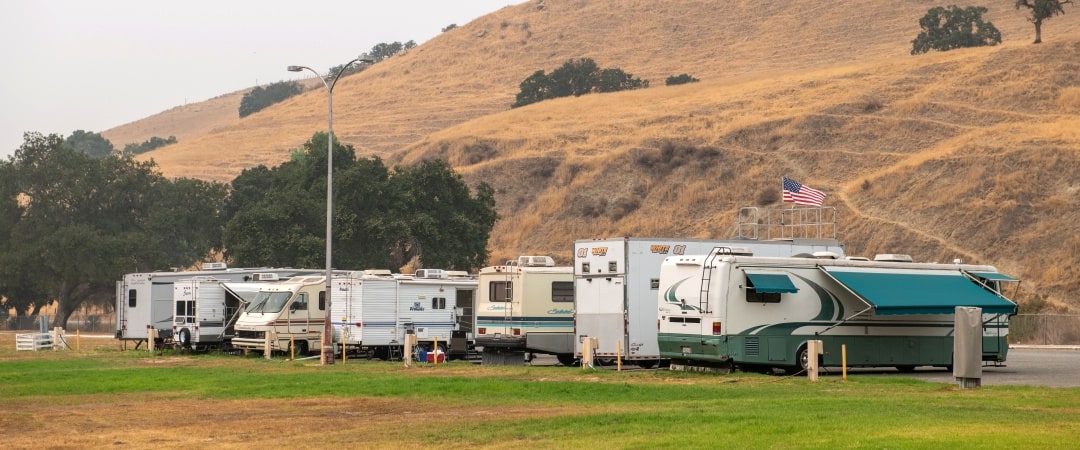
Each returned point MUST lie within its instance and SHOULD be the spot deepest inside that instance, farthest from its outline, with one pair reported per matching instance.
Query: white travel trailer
(525, 306)
(207, 308)
(616, 282)
(373, 311)
(721, 311)
(286, 313)
(144, 300)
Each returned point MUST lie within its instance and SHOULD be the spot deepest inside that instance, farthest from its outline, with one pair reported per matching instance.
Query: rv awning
(921, 293)
(770, 282)
(993, 276)
(244, 291)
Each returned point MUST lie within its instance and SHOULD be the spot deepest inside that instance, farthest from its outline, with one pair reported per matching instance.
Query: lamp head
(295, 68)
(365, 58)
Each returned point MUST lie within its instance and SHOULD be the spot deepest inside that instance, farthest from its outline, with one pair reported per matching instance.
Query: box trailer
(616, 281)
(373, 311)
(718, 310)
(525, 306)
(207, 308)
(144, 300)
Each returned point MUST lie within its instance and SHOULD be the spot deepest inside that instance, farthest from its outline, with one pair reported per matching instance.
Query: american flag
(801, 195)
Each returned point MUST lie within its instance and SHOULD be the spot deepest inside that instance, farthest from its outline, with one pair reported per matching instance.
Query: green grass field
(460, 405)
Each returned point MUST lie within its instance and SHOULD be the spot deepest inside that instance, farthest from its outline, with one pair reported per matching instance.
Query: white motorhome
(373, 310)
(144, 300)
(616, 282)
(287, 314)
(719, 310)
(525, 306)
(207, 308)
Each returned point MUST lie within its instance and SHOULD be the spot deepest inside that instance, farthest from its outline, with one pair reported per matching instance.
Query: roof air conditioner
(430, 273)
(264, 277)
(893, 257)
(536, 261)
(214, 266)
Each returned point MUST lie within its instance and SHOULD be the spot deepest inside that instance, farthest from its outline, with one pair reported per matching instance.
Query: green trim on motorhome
(781, 350)
(910, 293)
(669, 296)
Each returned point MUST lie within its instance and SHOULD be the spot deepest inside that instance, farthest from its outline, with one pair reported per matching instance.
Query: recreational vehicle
(207, 308)
(286, 315)
(525, 306)
(373, 311)
(616, 282)
(720, 310)
(144, 300)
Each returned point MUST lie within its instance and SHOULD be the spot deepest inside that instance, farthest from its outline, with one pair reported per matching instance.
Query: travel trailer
(720, 310)
(287, 315)
(525, 306)
(373, 310)
(207, 308)
(144, 300)
(616, 282)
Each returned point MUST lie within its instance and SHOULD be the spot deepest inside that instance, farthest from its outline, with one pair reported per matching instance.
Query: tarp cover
(919, 293)
(769, 282)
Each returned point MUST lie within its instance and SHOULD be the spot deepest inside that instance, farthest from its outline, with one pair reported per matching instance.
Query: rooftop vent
(214, 266)
(893, 257)
(431, 273)
(826, 255)
(264, 277)
(536, 261)
(378, 272)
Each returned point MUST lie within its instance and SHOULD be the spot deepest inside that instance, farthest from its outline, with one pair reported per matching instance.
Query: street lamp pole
(327, 353)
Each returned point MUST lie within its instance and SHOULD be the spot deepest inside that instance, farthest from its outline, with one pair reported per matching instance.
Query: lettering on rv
(596, 251)
(560, 311)
(679, 249)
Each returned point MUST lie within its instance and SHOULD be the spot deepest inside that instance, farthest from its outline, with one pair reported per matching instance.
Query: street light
(327, 353)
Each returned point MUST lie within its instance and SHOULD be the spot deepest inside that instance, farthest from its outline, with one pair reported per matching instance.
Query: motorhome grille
(245, 334)
(752, 347)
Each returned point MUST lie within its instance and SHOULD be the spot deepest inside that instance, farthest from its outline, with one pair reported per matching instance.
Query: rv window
(562, 291)
(273, 302)
(613, 266)
(654, 283)
(322, 300)
(499, 291)
(300, 304)
(185, 308)
(754, 296)
(680, 319)
(438, 303)
(131, 298)
(180, 309)
(585, 267)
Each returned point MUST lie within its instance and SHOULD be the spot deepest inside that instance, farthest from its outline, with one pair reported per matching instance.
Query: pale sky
(96, 64)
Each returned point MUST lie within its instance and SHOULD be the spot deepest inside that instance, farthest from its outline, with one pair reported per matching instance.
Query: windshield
(268, 302)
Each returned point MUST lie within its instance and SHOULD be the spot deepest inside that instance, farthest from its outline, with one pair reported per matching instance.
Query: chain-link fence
(1045, 329)
(86, 322)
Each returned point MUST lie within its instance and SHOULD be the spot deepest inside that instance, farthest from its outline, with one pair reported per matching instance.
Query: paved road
(1026, 366)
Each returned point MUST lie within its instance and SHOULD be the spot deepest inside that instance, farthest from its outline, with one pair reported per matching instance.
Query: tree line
(72, 224)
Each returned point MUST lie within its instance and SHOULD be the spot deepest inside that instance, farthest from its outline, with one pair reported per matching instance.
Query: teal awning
(921, 293)
(770, 282)
(993, 276)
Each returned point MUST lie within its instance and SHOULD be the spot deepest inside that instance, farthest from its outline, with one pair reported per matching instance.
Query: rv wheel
(301, 348)
(566, 359)
(802, 359)
(184, 338)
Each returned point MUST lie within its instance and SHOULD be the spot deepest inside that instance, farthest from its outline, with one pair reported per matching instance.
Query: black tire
(566, 359)
(648, 363)
(802, 360)
(184, 338)
(300, 350)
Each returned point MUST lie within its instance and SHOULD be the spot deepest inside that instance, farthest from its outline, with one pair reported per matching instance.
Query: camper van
(720, 310)
(616, 282)
(525, 306)
(144, 300)
(373, 310)
(287, 315)
(207, 308)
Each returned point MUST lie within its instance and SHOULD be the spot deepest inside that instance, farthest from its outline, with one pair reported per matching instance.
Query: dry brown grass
(970, 153)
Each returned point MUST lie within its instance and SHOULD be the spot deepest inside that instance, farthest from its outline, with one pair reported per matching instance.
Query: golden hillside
(968, 154)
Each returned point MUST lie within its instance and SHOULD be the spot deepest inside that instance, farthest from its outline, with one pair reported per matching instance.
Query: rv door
(299, 316)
